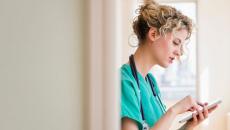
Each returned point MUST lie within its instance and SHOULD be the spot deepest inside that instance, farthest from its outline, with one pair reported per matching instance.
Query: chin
(164, 65)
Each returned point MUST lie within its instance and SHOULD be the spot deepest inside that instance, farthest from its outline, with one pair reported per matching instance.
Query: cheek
(165, 49)
(162, 49)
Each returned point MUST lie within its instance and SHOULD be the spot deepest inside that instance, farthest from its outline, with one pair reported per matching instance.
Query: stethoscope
(134, 72)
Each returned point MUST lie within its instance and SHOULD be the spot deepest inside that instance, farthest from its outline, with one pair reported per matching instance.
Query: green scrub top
(130, 98)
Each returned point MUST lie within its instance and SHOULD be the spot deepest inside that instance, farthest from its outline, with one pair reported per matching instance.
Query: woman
(161, 31)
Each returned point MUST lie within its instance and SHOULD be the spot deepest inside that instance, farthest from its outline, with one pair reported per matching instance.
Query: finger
(194, 117)
(205, 112)
(191, 109)
(212, 109)
(196, 106)
(201, 116)
(201, 104)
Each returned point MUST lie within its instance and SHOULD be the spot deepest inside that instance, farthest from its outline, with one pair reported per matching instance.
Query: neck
(143, 60)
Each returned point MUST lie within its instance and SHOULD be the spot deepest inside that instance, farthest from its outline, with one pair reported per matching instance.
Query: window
(179, 79)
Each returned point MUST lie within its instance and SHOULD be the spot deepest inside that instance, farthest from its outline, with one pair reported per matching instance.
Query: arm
(164, 123)
(128, 124)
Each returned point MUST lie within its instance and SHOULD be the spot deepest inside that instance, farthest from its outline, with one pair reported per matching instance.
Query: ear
(153, 34)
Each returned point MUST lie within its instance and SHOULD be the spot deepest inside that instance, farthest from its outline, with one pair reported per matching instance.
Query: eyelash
(175, 43)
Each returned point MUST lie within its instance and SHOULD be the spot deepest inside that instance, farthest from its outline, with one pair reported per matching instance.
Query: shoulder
(126, 73)
(128, 83)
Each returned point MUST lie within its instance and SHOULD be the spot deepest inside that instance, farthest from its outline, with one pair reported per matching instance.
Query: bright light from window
(179, 79)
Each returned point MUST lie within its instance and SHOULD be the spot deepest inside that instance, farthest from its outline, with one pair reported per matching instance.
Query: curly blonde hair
(164, 18)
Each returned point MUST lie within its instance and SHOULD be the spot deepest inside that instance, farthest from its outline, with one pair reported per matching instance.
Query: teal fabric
(130, 98)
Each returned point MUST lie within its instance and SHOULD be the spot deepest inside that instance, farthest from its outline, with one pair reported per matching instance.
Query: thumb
(195, 106)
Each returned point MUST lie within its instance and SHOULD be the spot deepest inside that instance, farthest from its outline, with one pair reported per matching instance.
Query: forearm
(165, 121)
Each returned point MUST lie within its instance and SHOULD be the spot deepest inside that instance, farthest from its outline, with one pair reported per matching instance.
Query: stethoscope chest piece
(145, 126)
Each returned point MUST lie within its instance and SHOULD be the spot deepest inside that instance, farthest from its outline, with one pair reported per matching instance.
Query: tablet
(210, 105)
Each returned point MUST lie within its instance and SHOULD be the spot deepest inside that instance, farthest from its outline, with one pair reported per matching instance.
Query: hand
(186, 104)
(197, 119)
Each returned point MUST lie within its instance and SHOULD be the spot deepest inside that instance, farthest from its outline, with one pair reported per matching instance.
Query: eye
(176, 44)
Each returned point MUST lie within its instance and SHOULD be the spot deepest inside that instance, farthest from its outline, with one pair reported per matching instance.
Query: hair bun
(150, 2)
(148, 8)
(164, 18)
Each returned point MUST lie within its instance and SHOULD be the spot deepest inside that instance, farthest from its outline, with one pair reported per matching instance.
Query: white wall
(128, 6)
(103, 52)
(214, 56)
(41, 44)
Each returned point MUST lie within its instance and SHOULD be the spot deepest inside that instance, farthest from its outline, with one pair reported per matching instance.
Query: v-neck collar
(140, 77)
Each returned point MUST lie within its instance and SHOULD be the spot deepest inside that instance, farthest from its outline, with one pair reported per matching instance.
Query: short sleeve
(130, 107)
